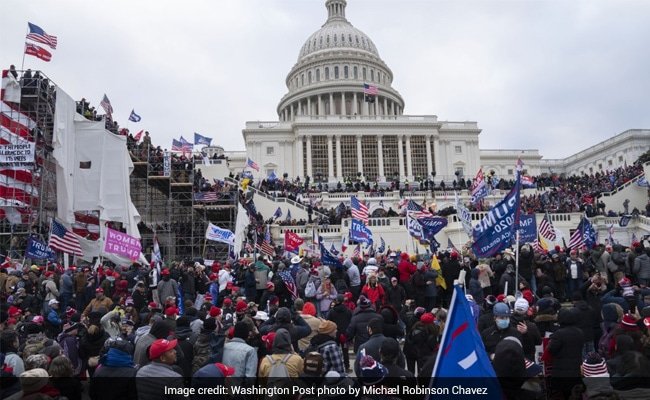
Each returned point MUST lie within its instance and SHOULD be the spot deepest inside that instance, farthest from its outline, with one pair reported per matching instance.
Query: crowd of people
(575, 315)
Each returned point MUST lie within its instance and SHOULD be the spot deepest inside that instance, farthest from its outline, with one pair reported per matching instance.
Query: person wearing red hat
(421, 342)
(167, 287)
(162, 354)
(213, 289)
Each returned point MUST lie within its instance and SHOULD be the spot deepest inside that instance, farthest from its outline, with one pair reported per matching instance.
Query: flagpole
(22, 65)
(516, 262)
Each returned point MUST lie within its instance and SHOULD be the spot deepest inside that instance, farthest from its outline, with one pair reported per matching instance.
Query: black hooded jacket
(566, 344)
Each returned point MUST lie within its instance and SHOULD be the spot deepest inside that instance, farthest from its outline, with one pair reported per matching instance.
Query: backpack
(279, 367)
(310, 289)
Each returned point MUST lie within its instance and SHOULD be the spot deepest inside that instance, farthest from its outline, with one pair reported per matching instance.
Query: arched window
(318, 75)
(334, 38)
(327, 73)
(346, 72)
(355, 71)
(309, 77)
(364, 75)
(328, 39)
(336, 72)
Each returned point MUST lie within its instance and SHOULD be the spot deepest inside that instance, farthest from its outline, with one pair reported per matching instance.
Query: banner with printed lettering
(219, 235)
(425, 229)
(38, 250)
(496, 230)
(479, 187)
(292, 242)
(167, 164)
(120, 243)
(527, 228)
(19, 154)
(359, 232)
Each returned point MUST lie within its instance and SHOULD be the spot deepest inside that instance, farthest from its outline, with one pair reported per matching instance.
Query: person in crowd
(239, 355)
(282, 352)
(162, 356)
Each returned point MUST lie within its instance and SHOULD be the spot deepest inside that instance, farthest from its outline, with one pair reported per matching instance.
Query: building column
(320, 106)
(332, 108)
(359, 155)
(299, 169)
(344, 109)
(339, 165)
(309, 106)
(380, 158)
(385, 106)
(409, 165)
(400, 156)
(330, 160)
(355, 109)
(429, 163)
(365, 109)
(291, 112)
(309, 169)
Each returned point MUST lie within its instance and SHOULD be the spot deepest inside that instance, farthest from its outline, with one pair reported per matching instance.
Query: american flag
(289, 283)
(519, 166)
(546, 228)
(344, 244)
(86, 224)
(106, 105)
(37, 34)
(206, 196)
(252, 164)
(359, 210)
(418, 211)
(265, 248)
(357, 251)
(370, 90)
(63, 240)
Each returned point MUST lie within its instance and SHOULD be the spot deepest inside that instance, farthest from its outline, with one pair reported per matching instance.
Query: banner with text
(38, 250)
(495, 231)
(527, 228)
(359, 232)
(219, 235)
(17, 154)
(120, 243)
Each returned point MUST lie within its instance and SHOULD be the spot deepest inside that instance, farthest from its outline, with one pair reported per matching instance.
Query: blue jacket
(214, 292)
(53, 318)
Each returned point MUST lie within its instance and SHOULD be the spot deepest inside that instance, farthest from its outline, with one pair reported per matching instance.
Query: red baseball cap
(99, 290)
(213, 276)
(165, 272)
(215, 311)
(169, 311)
(160, 347)
(225, 370)
(227, 302)
(241, 306)
(153, 304)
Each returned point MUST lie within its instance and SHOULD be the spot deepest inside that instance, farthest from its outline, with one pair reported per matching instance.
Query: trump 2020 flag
(462, 354)
(200, 139)
(134, 117)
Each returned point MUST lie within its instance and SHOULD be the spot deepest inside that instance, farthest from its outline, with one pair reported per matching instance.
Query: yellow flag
(244, 183)
(435, 265)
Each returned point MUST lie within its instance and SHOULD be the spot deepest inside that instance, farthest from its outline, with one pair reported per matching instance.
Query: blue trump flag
(38, 250)
(200, 139)
(359, 232)
(462, 354)
(497, 229)
(328, 258)
(527, 228)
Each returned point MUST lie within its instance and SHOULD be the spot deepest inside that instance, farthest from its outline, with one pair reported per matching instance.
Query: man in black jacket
(341, 316)
(373, 345)
(359, 322)
(501, 328)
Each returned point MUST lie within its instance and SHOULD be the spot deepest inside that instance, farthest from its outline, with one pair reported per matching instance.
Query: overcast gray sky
(558, 76)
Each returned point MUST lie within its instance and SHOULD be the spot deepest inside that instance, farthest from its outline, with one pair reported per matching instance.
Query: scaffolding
(164, 190)
(38, 97)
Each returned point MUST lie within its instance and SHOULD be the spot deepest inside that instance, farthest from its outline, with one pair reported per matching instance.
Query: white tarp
(93, 168)
(241, 225)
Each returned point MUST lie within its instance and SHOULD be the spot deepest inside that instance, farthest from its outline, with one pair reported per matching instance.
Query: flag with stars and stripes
(382, 246)
(106, 105)
(64, 240)
(289, 283)
(359, 210)
(546, 229)
(357, 251)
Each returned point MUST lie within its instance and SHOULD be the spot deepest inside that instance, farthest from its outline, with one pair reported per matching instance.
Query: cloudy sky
(558, 76)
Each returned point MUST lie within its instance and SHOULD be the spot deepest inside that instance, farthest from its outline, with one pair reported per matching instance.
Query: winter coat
(358, 326)
(641, 267)
(325, 299)
(565, 345)
(392, 325)
(475, 288)
(430, 290)
(375, 294)
(493, 335)
(405, 270)
(341, 316)
(207, 349)
(371, 348)
(167, 289)
(587, 321)
(395, 296)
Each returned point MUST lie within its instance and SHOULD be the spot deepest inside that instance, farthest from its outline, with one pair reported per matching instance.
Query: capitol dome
(333, 66)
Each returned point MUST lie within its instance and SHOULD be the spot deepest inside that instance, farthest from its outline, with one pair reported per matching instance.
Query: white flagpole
(517, 262)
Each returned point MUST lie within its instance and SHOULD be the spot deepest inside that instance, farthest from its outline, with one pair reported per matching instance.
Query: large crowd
(373, 318)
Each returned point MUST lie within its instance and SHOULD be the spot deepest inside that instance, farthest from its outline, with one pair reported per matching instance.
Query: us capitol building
(327, 131)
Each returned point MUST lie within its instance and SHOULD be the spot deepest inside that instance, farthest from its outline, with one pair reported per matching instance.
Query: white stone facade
(325, 129)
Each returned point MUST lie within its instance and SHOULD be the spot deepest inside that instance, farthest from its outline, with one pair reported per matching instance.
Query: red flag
(138, 136)
(38, 52)
(292, 241)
